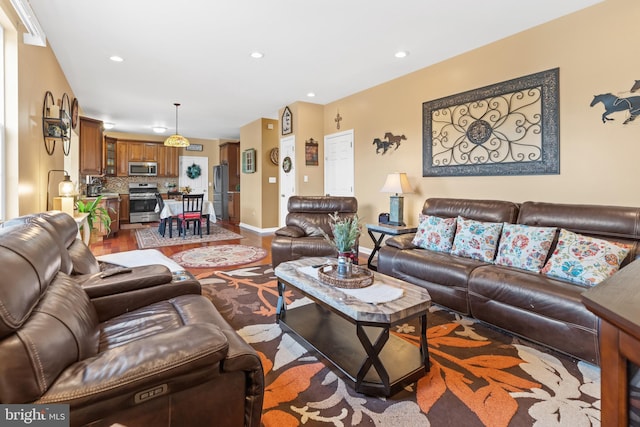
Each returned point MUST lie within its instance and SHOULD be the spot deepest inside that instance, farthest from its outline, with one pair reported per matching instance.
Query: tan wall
(596, 160)
(270, 191)
(258, 197)
(38, 71)
(307, 124)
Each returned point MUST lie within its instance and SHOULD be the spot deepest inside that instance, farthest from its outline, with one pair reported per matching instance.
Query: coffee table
(376, 363)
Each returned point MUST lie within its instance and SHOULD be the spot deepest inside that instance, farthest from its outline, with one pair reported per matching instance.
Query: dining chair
(191, 212)
(164, 221)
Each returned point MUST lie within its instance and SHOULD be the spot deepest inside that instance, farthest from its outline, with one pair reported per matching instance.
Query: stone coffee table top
(414, 301)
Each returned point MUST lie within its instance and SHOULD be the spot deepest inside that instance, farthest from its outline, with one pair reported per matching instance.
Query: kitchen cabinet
(110, 156)
(124, 208)
(91, 135)
(122, 159)
(112, 206)
(167, 161)
(143, 151)
(234, 207)
(230, 154)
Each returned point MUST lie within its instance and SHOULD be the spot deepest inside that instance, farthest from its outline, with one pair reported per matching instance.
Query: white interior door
(287, 174)
(339, 165)
(198, 184)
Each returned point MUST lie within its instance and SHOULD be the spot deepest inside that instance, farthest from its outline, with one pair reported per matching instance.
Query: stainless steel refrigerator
(220, 191)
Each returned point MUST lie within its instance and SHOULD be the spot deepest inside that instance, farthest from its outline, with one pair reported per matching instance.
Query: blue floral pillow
(584, 260)
(476, 239)
(524, 246)
(435, 233)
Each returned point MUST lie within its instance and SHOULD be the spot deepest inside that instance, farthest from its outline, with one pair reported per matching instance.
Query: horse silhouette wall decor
(613, 104)
(390, 140)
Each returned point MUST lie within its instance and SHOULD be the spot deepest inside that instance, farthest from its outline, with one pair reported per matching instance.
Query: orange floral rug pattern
(479, 376)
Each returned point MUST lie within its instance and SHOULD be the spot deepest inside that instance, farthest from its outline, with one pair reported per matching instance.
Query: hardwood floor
(125, 240)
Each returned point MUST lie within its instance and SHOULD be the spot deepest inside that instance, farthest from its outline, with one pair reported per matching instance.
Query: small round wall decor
(193, 171)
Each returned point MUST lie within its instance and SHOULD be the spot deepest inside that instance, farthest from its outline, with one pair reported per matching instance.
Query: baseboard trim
(257, 229)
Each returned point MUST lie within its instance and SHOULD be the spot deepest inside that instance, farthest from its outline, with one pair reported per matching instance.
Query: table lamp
(397, 183)
(66, 201)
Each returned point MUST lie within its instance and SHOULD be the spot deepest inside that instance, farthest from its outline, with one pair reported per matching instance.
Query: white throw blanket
(141, 257)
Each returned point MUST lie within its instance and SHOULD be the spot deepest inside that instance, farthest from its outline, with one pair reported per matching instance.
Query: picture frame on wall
(311, 152)
(249, 160)
(193, 147)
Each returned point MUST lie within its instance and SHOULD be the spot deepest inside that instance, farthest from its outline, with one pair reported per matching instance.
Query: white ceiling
(197, 52)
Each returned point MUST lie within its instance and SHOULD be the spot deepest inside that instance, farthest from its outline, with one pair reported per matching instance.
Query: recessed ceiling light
(116, 58)
(108, 125)
(257, 55)
(311, 94)
(402, 54)
(159, 129)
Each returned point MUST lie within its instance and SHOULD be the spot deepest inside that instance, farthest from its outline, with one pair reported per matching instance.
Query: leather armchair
(156, 361)
(308, 217)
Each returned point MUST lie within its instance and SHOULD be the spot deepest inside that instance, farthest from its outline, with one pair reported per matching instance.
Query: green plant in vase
(346, 232)
(96, 213)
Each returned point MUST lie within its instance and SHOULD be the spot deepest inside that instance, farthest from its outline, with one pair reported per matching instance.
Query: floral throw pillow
(524, 246)
(584, 260)
(435, 233)
(476, 239)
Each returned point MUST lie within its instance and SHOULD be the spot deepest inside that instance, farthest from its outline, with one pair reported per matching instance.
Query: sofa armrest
(121, 279)
(142, 364)
(403, 241)
(290, 231)
(121, 293)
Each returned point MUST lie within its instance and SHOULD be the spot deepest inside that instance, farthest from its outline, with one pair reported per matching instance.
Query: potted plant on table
(346, 232)
(96, 214)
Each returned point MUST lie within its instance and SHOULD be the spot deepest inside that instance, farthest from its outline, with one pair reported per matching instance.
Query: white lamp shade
(397, 183)
(66, 188)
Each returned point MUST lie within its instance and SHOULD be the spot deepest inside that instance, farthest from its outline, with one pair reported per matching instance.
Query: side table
(384, 230)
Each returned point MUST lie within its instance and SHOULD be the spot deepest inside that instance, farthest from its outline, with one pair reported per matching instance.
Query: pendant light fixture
(176, 140)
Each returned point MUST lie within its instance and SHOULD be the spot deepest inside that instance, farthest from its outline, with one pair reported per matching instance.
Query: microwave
(143, 168)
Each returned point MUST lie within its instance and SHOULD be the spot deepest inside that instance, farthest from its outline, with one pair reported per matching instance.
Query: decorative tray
(359, 278)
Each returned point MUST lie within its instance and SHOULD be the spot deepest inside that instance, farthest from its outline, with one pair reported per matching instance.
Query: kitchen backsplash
(120, 184)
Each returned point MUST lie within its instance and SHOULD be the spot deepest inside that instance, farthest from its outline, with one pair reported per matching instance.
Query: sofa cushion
(435, 233)
(584, 260)
(476, 239)
(525, 247)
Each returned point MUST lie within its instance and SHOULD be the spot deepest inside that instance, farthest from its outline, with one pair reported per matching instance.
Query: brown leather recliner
(308, 217)
(136, 360)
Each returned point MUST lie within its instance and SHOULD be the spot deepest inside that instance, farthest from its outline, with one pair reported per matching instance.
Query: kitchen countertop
(104, 196)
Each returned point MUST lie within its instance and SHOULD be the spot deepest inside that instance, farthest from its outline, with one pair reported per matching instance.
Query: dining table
(174, 208)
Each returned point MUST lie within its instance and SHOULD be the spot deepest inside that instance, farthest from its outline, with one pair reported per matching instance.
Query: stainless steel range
(142, 202)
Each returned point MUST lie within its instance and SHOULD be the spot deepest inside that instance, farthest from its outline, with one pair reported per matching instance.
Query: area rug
(479, 376)
(151, 238)
(219, 256)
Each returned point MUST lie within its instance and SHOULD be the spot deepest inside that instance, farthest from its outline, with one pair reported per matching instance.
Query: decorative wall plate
(74, 113)
(274, 155)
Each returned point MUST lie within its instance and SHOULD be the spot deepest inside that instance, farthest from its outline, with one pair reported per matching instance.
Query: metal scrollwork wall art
(509, 128)
(612, 104)
(390, 141)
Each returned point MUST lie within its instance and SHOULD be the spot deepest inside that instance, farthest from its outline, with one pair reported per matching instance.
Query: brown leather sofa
(537, 307)
(137, 348)
(308, 217)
